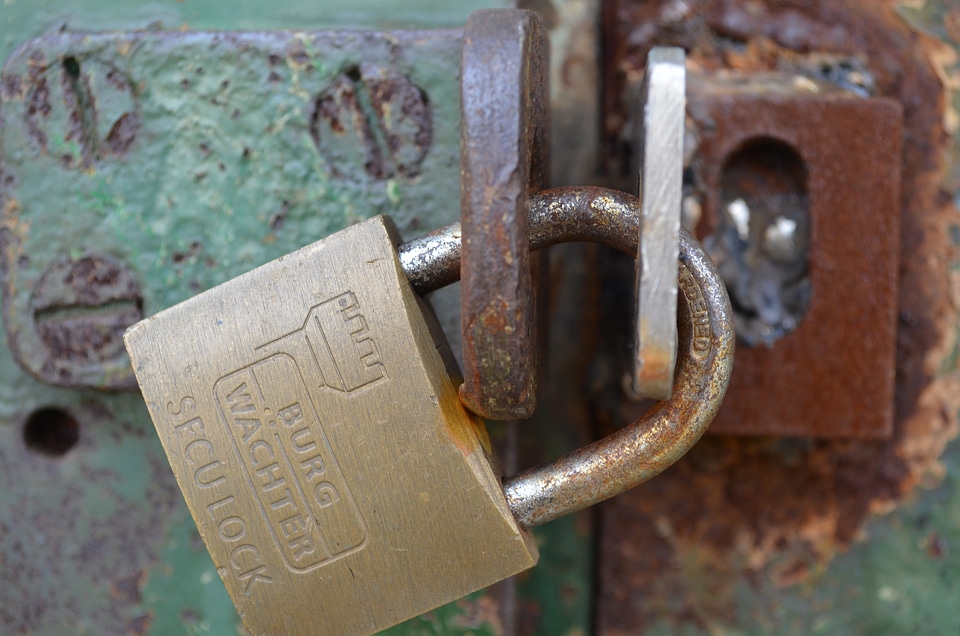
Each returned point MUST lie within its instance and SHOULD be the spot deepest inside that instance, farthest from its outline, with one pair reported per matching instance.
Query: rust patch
(122, 134)
(12, 86)
(117, 80)
(503, 114)
(770, 511)
(38, 108)
(336, 109)
(127, 589)
(140, 625)
(298, 57)
(483, 611)
(403, 110)
(936, 546)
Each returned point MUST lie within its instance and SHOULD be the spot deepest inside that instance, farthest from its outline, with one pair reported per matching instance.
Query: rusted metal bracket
(792, 179)
(504, 146)
(833, 374)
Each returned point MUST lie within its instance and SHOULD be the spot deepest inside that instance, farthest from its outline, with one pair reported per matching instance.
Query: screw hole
(353, 72)
(51, 431)
(72, 67)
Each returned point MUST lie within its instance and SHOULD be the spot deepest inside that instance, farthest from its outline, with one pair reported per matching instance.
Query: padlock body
(310, 415)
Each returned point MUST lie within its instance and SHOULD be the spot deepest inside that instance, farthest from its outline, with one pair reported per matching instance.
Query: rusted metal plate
(762, 535)
(504, 145)
(832, 376)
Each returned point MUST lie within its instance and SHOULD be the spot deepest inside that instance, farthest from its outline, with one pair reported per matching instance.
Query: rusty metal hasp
(503, 146)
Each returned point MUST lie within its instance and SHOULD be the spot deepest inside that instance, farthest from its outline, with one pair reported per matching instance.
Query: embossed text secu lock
(312, 421)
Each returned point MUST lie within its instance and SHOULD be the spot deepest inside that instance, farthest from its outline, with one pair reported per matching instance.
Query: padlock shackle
(642, 450)
(561, 215)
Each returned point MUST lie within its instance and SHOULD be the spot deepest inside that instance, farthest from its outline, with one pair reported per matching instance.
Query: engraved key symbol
(334, 346)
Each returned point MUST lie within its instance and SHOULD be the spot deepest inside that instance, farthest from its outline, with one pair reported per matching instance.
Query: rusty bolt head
(80, 111)
(81, 307)
(381, 107)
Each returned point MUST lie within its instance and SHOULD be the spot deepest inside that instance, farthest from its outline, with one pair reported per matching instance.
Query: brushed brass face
(312, 422)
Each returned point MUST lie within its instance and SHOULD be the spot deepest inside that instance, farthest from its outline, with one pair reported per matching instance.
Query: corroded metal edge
(503, 145)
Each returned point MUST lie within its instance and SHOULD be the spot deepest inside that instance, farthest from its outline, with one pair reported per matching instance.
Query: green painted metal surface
(25, 19)
(221, 173)
(218, 179)
(219, 170)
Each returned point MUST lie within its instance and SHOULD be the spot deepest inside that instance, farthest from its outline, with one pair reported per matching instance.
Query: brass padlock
(309, 411)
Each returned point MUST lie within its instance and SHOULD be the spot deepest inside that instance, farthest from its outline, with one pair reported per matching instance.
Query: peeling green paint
(453, 618)
(560, 585)
(99, 541)
(223, 175)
